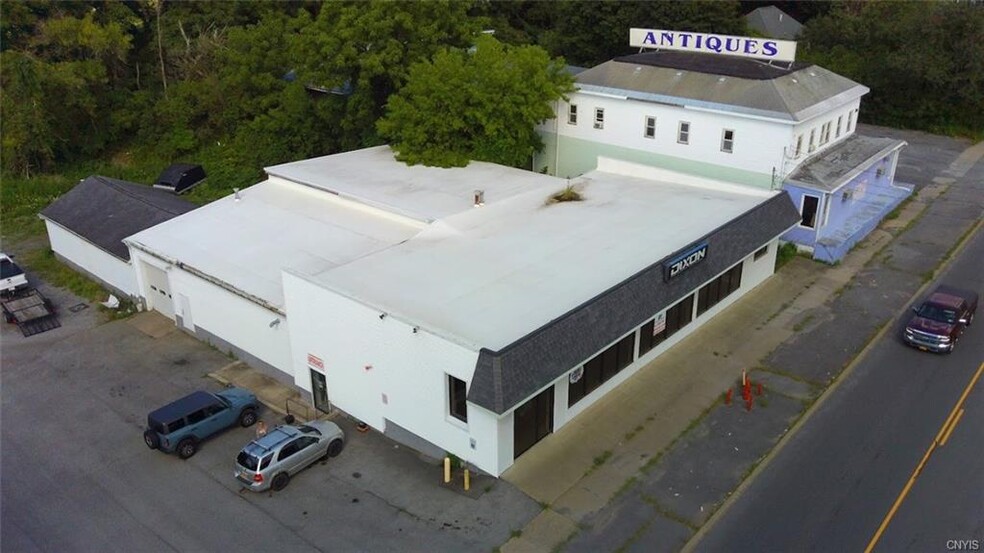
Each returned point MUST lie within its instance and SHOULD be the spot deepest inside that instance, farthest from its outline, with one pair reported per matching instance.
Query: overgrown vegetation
(125, 88)
(45, 264)
(785, 254)
(568, 194)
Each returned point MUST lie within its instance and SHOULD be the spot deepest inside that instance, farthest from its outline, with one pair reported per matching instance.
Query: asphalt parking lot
(76, 475)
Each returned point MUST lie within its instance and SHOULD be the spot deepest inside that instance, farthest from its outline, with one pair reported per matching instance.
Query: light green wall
(580, 156)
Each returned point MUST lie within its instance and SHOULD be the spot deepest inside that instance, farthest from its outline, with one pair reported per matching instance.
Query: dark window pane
(625, 347)
(686, 311)
(592, 374)
(575, 390)
(197, 416)
(610, 363)
(702, 300)
(736, 277)
(457, 398)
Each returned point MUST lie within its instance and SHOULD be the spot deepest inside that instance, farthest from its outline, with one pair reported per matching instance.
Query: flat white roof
(488, 276)
(373, 177)
(482, 277)
(273, 226)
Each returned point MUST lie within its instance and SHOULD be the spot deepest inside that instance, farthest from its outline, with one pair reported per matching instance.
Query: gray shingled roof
(837, 165)
(773, 22)
(104, 211)
(504, 378)
(703, 80)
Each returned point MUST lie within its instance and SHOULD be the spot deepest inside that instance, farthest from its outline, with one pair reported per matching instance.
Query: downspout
(557, 141)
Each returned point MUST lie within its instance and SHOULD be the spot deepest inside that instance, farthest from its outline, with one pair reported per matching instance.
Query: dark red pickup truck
(940, 320)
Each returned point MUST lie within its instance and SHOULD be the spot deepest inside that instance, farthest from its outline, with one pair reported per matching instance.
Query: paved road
(835, 481)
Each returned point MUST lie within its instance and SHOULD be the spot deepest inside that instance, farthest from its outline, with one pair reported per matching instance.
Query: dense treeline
(247, 84)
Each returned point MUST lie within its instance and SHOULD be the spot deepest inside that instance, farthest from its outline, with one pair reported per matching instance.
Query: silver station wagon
(270, 461)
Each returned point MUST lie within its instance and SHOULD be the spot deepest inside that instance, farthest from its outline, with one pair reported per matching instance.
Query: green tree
(363, 52)
(480, 104)
(924, 61)
(55, 103)
(593, 32)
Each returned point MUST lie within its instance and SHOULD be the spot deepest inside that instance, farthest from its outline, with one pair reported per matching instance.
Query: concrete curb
(226, 382)
(827, 393)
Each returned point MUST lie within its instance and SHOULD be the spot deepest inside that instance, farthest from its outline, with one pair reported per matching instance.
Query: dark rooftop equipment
(180, 177)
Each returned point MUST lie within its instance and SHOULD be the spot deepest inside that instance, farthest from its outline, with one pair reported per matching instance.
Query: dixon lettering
(686, 262)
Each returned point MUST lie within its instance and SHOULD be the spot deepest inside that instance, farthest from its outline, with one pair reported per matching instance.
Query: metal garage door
(158, 291)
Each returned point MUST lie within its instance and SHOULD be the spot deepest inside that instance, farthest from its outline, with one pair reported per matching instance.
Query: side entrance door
(319, 389)
(532, 421)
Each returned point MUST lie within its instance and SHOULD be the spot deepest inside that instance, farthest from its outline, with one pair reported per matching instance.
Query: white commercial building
(766, 123)
(458, 310)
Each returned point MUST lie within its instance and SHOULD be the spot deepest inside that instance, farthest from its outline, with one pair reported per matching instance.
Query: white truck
(12, 278)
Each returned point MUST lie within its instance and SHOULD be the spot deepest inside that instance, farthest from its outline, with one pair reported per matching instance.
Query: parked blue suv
(180, 425)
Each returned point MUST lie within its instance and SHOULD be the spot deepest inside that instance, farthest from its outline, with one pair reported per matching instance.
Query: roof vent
(812, 74)
(479, 198)
(236, 191)
(721, 79)
(795, 81)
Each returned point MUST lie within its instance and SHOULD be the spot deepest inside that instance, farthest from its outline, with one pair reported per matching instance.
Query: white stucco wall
(110, 269)
(203, 306)
(379, 368)
(757, 147)
(815, 124)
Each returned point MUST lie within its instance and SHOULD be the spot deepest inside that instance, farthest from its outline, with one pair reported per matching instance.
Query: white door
(186, 321)
(158, 292)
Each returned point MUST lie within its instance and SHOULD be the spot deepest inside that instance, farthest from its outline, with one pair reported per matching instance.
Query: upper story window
(799, 145)
(728, 141)
(850, 120)
(572, 114)
(599, 122)
(813, 143)
(683, 135)
(650, 130)
(824, 133)
(456, 399)
(839, 121)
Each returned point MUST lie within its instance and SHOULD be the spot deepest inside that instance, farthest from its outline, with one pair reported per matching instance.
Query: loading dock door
(532, 421)
(158, 292)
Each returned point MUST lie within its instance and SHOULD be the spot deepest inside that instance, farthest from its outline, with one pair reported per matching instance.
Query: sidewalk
(629, 444)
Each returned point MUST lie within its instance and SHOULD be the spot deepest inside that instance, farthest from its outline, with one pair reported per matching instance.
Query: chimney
(479, 198)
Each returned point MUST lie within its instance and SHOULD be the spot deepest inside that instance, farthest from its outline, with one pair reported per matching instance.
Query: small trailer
(30, 311)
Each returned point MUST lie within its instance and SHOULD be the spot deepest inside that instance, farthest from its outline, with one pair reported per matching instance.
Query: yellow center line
(941, 437)
(951, 427)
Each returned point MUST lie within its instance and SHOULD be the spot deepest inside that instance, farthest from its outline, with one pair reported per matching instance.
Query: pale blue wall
(855, 210)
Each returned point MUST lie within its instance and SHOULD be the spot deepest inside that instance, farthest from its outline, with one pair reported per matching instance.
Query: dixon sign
(746, 47)
(684, 261)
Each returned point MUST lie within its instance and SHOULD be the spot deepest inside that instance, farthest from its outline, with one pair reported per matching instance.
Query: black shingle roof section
(504, 378)
(104, 211)
(728, 66)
